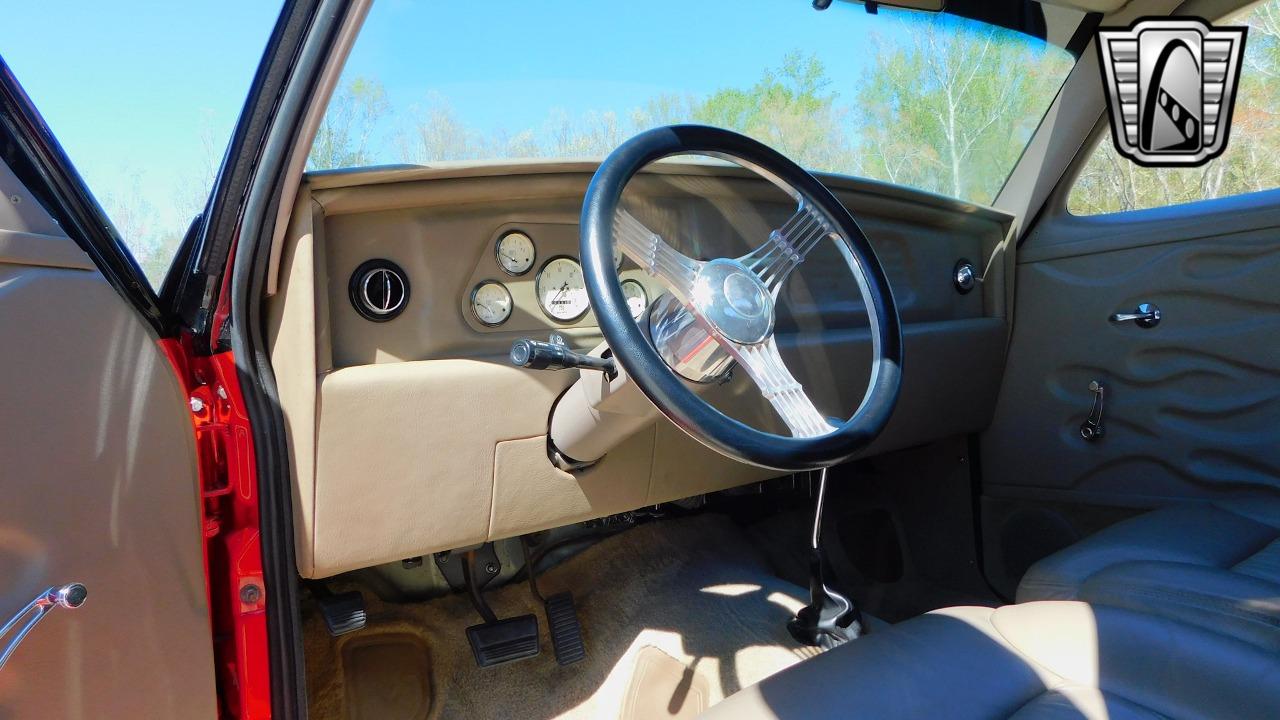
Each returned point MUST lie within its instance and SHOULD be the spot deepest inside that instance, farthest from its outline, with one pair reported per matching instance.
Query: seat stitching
(1063, 680)
(1009, 641)
(1252, 556)
(1195, 601)
(1033, 698)
(1265, 543)
(1101, 691)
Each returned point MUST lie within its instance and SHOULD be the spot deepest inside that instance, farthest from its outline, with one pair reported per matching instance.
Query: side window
(1110, 183)
(142, 101)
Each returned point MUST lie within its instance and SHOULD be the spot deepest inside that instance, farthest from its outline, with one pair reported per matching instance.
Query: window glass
(1110, 183)
(143, 97)
(920, 99)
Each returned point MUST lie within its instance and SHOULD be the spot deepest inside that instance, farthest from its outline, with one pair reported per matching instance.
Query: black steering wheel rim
(668, 392)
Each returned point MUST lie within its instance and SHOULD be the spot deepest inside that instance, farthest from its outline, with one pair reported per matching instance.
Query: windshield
(929, 101)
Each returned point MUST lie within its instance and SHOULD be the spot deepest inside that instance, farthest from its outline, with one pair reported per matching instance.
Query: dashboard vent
(379, 290)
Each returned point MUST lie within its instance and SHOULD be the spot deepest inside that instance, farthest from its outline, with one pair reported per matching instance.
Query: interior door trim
(1074, 235)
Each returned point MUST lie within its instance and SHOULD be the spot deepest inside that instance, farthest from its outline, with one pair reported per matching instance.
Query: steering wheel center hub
(734, 301)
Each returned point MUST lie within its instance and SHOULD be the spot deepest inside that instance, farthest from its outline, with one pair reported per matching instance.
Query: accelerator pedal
(566, 631)
(562, 615)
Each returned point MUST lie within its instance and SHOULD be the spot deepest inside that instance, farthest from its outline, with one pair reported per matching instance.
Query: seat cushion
(1032, 661)
(1212, 565)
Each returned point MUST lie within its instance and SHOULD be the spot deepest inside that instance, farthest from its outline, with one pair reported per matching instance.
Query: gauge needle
(564, 289)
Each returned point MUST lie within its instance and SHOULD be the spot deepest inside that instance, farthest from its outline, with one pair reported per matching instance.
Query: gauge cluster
(542, 282)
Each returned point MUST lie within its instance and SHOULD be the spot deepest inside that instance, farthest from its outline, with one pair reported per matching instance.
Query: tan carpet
(676, 615)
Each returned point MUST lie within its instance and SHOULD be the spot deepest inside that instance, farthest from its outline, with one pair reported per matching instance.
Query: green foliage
(342, 139)
(942, 113)
(952, 111)
(949, 111)
(792, 109)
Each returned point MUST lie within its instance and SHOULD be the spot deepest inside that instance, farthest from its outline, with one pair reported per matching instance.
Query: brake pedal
(502, 641)
(343, 613)
(497, 641)
(566, 631)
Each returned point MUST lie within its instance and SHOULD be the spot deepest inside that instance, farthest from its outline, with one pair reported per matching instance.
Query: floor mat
(675, 615)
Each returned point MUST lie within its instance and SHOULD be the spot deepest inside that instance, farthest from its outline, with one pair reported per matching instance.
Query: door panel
(1192, 405)
(99, 485)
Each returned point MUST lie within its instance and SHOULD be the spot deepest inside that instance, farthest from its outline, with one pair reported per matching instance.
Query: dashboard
(397, 293)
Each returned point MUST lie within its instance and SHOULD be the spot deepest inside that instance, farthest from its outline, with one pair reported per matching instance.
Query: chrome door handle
(1146, 316)
(69, 596)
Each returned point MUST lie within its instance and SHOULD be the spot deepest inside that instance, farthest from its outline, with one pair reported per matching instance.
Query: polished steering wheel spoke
(787, 247)
(764, 364)
(648, 250)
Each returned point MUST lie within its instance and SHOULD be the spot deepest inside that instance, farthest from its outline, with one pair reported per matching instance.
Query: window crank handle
(1091, 428)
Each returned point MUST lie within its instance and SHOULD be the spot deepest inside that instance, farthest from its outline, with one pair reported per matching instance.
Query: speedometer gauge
(637, 298)
(562, 292)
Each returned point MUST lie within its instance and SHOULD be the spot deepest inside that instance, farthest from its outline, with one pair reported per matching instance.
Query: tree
(952, 110)
(342, 140)
(435, 133)
(791, 108)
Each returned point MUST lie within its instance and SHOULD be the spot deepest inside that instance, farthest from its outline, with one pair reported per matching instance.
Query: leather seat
(1212, 565)
(1036, 660)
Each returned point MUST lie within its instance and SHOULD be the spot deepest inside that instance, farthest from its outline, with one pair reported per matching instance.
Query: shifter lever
(555, 355)
(830, 618)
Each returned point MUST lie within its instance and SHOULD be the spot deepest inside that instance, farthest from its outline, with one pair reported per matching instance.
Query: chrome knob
(964, 277)
(69, 596)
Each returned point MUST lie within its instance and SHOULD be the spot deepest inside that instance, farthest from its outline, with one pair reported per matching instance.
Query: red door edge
(229, 519)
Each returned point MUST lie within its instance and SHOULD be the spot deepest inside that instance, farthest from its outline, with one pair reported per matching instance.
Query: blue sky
(144, 95)
(130, 91)
(504, 65)
(133, 90)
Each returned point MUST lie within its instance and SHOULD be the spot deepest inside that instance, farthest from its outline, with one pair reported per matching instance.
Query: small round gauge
(562, 291)
(637, 298)
(515, 252)
(491, 302)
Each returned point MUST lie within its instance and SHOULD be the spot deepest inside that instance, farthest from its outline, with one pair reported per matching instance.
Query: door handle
(1146, 316)
(69, 596)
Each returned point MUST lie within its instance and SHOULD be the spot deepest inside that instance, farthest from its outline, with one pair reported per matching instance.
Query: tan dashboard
(412, 433)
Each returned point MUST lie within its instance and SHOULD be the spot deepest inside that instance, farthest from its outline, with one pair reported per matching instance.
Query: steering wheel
(722, 311)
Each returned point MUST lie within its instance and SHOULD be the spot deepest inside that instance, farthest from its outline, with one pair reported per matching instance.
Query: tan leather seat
(1212, 565)
(1037, 660)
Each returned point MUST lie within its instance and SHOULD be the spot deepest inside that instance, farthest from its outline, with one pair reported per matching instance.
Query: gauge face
(515, 253)
(637, 298)
(562, 292)
(491, 303)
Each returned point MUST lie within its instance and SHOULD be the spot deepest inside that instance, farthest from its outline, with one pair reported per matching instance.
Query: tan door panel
(99, 485)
